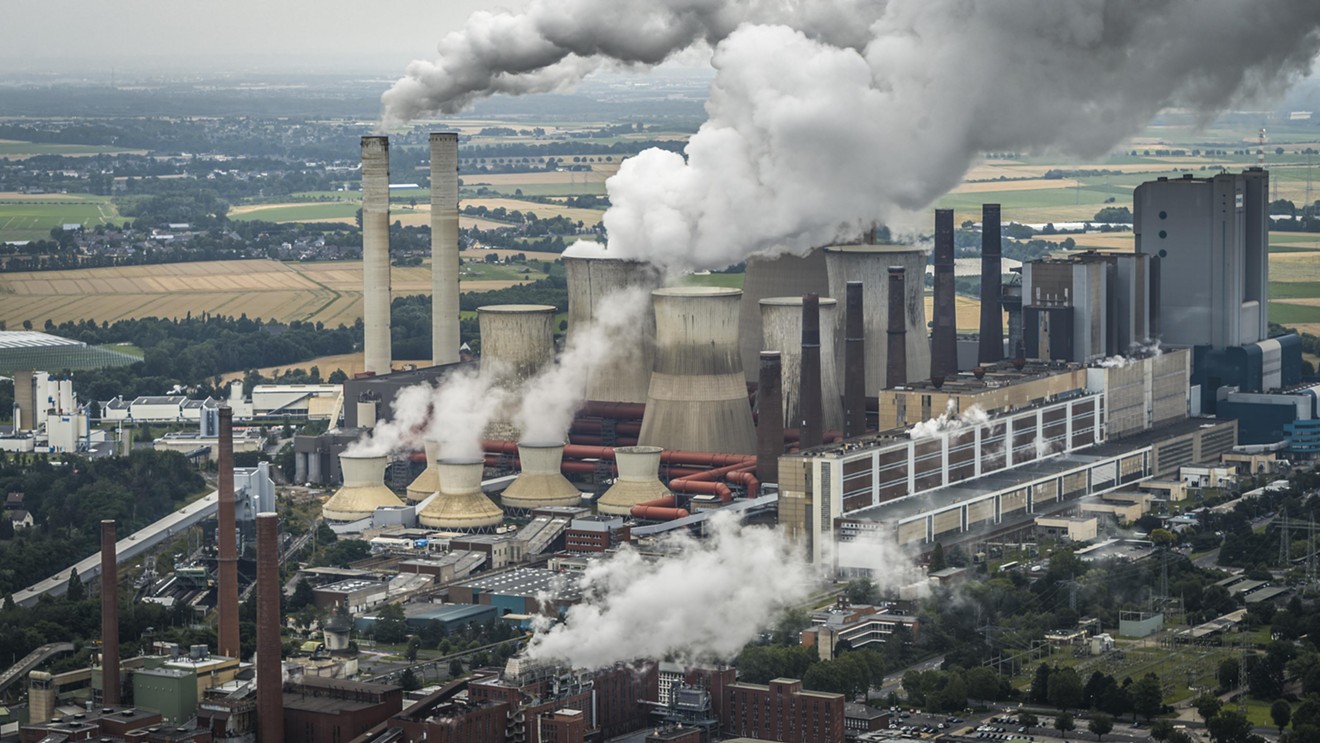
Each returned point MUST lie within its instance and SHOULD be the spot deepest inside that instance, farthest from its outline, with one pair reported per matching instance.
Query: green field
(33, 220)
(15, 148)
(552, 189)
(1294, 289)
(1289, 314)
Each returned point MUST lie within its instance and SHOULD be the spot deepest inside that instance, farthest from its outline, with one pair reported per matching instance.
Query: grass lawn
(33, 220)
(1294, 289)
(1287, 314)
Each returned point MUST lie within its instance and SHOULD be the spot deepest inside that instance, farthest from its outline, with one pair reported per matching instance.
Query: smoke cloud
(825, 116)
(949, 420)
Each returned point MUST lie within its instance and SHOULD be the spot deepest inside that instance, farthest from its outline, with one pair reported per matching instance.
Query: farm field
(32, 216)
(13, 149)
(349, 363)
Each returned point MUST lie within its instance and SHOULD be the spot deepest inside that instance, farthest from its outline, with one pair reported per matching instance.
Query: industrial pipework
(944, 334)
(109, 616)
(444, 248)
(376, 254)
(991, 347)
(896, 373)
(226, 538)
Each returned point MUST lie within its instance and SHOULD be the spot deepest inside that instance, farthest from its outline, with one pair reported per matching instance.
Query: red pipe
(587, 439)
(745, 478)
(655, 513)
(626, 428)
(664, 501)
(619, 410)
(701, 487)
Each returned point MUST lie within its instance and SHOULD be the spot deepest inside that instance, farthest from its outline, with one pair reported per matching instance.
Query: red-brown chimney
(227, 542)
(943, 337)
(109, 616)
(770, 417)
(896, 368)
(270, 674)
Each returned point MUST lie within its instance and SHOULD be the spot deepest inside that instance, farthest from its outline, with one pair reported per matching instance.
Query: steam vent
(461, 505)
(364, 489)
(540, 483)
(427, 483)
(591, 280)
(781, 323)
(698, 396)
(637, 481)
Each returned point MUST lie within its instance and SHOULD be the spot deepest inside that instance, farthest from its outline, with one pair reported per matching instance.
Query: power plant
(541, 483)
(637, 481)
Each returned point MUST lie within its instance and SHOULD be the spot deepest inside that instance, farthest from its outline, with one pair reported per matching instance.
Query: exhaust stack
(784, 275)
(770, 423)
(810, 408)
(427, 483)
(638, 481)
(870, 264)
(896, 371)
(364, 489)
(226, 537)
(854, 364)
(992, 319)
(461, 505)
(541, 483)
(781, 322)
(444, 248)
(270, 671)
(376, 254)
(944, 335)
(110, 694)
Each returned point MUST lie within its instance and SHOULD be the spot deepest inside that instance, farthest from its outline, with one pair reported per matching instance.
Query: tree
(409, 681)
(1147, 696)
(936, 559)
(1229, 727)
(414, 643)
(1065, 689)
(983, 684)
(1280, 713)
(1100, 724)
(1040, 685)
(1028, 720)
(455, 667)
(1063, 723)
(1207, 705)
(391, 626)
(75, 591)
(1229, 673)
(1161, 730)
(861, 591)
(302, 595)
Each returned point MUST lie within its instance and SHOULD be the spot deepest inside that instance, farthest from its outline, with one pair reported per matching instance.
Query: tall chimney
(270, 674)
(896, 366)
(770, 418)
(226, 542)
(854, 364)
(109, 616)
(810, 406)
(444, 248)
(944, 334)
(992, 319)
(376, 254)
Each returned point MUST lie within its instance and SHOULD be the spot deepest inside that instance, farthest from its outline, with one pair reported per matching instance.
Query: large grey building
(1212, 238)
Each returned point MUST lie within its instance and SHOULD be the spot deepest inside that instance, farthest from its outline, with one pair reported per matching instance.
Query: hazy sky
(226, 35)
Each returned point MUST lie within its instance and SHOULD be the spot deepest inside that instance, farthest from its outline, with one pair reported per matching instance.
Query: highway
(127, 548)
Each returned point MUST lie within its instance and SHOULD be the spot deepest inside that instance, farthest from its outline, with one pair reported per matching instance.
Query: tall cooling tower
(781, 324)
(782, 276)
(541, 483)
(376, 254)
(698, 395)
(637, 481)
(444, 248)
(364, 489)
(427, 483)
(461, 505)
(870, 264)
(590, 281)
(516, 339)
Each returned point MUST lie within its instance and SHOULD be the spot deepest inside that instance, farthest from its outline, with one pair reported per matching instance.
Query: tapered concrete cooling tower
(590, 281)
(781, 324)
(782, 276)
(541, 483)
(461, 505)
(444, 248)
(364, 489)
(698, 395)
(376, 254)
(427, 483)
(637, 481)
(516, 339)
(870, 264)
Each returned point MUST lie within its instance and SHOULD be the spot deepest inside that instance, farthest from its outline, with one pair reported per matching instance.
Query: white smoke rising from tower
(825, 115)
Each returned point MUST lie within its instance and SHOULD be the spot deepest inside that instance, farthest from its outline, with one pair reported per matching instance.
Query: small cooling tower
(461, 505)
(786, 275)
(541, 483)
(870, 264)
(637, 481)
(516, 339)
(698, 396)
(427, 483)
(364, 489)
(781, 324)
(590, 281)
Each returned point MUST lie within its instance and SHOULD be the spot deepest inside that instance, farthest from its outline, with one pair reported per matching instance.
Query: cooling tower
(590, 280)
(516, 339)
(782, 276)
(944, 329)
(991, 346)
(870, 264)
(541, 483)
(109, 615)
(444, 248)
(781, 324)
(376, 254)
(461, 505)
(270, 665)
(698, 395)
(427, 483)
(637, 481)
(364, 489)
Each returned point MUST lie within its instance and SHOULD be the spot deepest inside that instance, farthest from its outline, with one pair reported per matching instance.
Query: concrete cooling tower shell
(461, 505)
(698, 395)
(781, 323)
(516, 339)
(782, 276)
(870, 264)
(541, 483)
(364, 489)
(637, 482)
(590, 280)
(427, 483)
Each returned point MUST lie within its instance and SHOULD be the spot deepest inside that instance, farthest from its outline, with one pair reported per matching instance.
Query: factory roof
(353, 584)
(32, 339)
(999, 374)
(445, 612)
(333, 696)
(527, 582)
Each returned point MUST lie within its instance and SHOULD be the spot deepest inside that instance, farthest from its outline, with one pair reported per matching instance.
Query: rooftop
(527, 582)
(32, 339)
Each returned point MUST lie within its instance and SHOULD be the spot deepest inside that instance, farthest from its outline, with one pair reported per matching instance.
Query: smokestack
(870, 264)
(109, 616)
(226, 542)
(444, 248)
(810, 407)
(781, 322)
(896, 369)
(628, 376)
(541, 483)
(770, 423)
(516, 339)
(992, 319)
(637, 481)
(270, 673)
(854, 364)
(943, 337)
(461, 505)
(376, 254)
(364, 489)
(785, 275)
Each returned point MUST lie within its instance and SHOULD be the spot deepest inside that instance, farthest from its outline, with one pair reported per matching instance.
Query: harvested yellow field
(598, 174)
(1295, 266)
(1119, 241)
(349, 363)
(968, 311)
(588, 217)
(1022, 184)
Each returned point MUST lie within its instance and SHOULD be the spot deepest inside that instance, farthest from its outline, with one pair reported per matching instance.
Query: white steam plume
(948, 421)
(703, 600)
(825, 115)
(884, 561)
